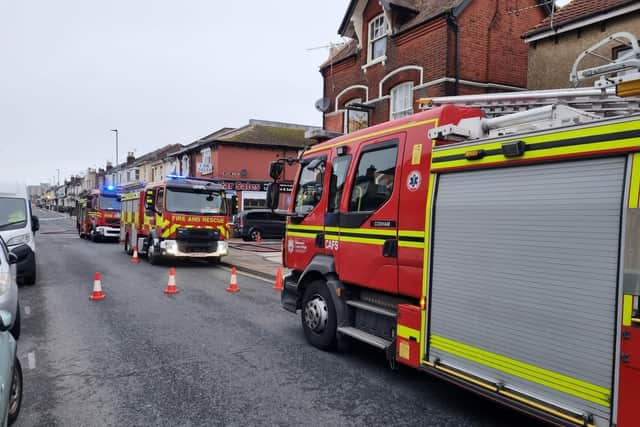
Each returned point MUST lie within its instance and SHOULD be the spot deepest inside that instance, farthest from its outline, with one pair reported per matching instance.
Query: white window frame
(406, 108)
(206, 156)
(184, 165)
(378, 21)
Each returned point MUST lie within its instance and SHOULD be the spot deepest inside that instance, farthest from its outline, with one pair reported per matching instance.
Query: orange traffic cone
(97, 293)
(135, 258)
(171, 287)
(278, 285)
(259, 239)
(233, 285)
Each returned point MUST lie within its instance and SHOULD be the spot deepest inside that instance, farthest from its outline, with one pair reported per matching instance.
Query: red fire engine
(499, 253)
(180, 217)
(98, 215)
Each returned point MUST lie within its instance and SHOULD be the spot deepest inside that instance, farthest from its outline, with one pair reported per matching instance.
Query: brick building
(555, 43)
(402, 50)
(239, 159)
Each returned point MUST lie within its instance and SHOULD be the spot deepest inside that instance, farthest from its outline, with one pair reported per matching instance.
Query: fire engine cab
(98, 215)
(499, 253)
(179, 217)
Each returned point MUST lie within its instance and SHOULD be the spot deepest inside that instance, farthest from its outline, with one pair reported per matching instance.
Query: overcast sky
(160, 71)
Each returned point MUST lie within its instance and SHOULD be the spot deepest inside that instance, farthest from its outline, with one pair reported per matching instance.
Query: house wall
(229, 160)
(424, 54)
(551, 59)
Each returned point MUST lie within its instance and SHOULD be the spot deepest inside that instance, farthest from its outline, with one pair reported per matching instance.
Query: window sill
(381, 59)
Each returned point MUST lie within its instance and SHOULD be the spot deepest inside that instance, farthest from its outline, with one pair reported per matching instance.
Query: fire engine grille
(115, 222)
(197, 239)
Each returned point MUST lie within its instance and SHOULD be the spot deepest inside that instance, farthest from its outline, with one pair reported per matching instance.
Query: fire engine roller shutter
(525, 268)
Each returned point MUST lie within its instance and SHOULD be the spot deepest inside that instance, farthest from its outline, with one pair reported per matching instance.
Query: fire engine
(178, 217)
(98, 215)
(498, 252)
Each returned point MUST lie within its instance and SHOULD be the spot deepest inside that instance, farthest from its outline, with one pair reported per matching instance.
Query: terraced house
(401, 50)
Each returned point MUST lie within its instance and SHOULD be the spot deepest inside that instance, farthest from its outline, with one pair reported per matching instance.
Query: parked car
(10, 372)
(9, 288)
(18, 226)
(263, 222)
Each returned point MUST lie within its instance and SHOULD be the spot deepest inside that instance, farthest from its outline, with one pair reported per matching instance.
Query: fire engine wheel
(152, 254)
(127, 246)
(318, 316)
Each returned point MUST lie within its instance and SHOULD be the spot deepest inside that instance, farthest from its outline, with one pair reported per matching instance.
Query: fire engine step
(365, 337)
(372, 307)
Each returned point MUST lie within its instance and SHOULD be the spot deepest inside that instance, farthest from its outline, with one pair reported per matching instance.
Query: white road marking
(31, 359)
(253, 276)
(27, 310)
(55, 218)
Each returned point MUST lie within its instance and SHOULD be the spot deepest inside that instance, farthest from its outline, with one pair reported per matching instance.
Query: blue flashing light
(110, 187)
(177, 176)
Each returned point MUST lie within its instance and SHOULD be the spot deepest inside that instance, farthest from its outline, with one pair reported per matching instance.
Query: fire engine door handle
(390, 248)
(320, 240)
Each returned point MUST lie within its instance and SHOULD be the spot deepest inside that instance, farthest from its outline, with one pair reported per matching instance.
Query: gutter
(452, 22)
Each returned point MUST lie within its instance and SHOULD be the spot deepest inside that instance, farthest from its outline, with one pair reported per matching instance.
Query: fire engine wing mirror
(275, 170)
(273, 195)
(35, 223)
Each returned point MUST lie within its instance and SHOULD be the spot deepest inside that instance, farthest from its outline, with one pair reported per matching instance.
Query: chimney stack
(130, 158)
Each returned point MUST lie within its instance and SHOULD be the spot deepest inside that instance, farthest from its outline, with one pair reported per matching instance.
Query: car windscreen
(195, 202)
(109, 203)
(13, 213)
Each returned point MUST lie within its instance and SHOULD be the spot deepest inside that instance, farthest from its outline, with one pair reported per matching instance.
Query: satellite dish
(323, 104)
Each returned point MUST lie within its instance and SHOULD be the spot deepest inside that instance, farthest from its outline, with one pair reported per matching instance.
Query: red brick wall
(231, 159)
(491, 50)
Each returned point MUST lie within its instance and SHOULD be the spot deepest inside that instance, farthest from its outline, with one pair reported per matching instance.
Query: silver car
(9, 288)
(10, 373)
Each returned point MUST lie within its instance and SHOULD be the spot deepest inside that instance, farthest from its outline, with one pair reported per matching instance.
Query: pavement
(262, 259)
(201, 357)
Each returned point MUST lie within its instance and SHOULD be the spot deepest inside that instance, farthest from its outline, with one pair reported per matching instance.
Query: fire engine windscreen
(309, 189)
(195, 202)
(109, 203)
(13, 213)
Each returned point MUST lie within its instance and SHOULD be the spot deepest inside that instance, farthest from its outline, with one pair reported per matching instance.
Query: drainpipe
(453, 24)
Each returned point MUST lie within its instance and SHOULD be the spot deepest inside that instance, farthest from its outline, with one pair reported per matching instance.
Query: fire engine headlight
(222, 246)
(19, 239)
(170, 246)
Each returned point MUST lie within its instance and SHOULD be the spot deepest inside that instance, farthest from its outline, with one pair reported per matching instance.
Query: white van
(17, 228)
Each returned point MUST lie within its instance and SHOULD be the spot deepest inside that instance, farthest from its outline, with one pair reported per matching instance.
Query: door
(368, 219)
(305, 231)
(524, 279)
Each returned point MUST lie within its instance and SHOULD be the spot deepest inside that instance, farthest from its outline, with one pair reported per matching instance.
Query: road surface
(202, 357)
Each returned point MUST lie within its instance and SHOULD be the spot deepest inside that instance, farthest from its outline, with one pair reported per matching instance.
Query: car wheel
(152, 255)
(30, 279)
(15, 329)
(254, 233)
(318, 316)
(15, 396)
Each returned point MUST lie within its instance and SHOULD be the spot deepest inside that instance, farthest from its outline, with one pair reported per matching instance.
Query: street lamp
(116, 131)
(58, 176)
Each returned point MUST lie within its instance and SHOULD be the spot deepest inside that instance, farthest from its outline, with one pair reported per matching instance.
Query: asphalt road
(202, 357)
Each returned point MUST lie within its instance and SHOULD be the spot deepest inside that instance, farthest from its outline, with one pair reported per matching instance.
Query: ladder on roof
(602, 99)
